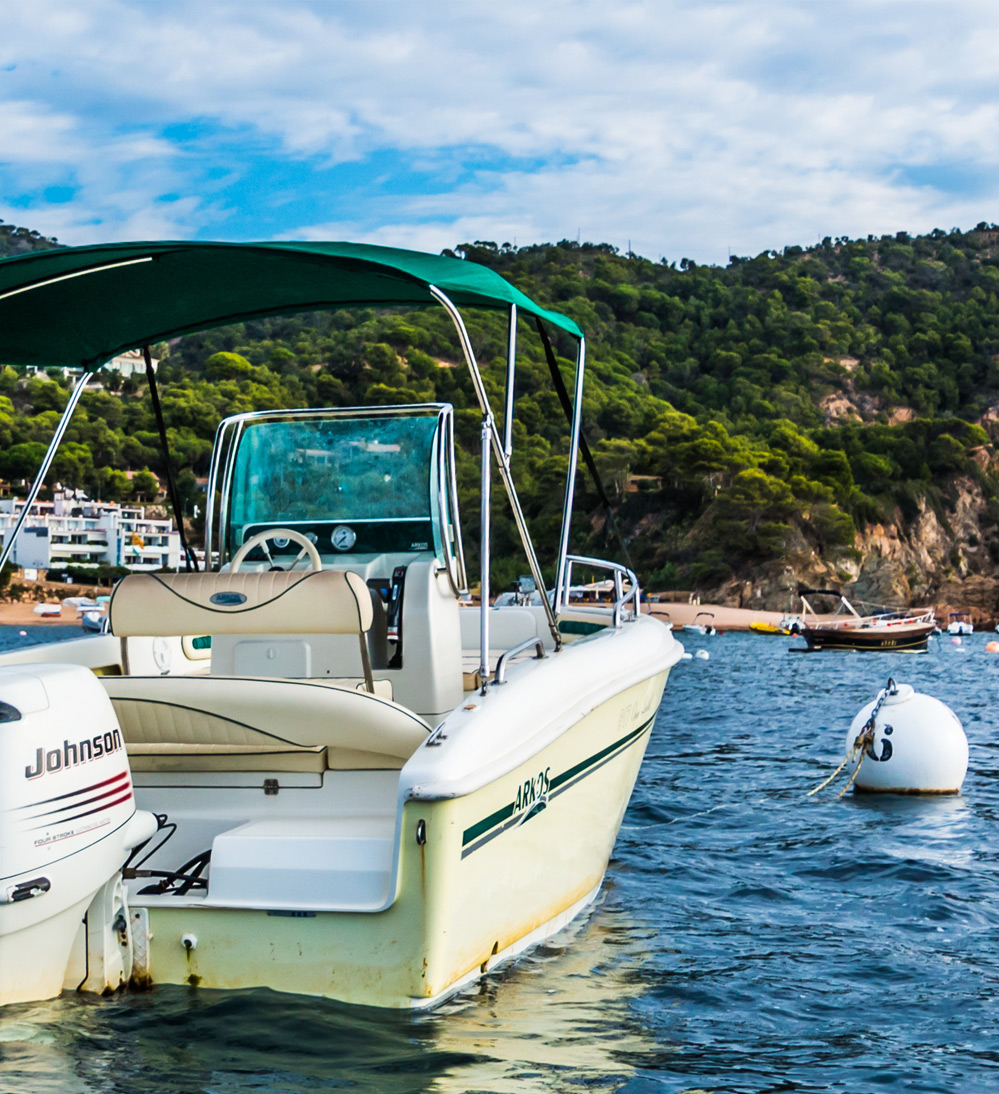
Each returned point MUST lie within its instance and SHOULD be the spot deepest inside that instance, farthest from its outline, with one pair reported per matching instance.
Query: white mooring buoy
(918, 744)
(702, 655)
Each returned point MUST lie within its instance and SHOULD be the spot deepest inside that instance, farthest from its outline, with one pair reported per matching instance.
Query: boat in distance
(312, 766)
(960, 623)
(846, 629)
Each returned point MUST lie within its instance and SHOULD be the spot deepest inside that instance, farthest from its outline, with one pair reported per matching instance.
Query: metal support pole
(74, 398)
(561, 586)
(511, 372)
(484, 555)
(501, 461)
(190, 561)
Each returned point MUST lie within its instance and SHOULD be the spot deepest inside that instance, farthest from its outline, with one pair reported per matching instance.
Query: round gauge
(343, 537)
(312, 537)
(280, 542)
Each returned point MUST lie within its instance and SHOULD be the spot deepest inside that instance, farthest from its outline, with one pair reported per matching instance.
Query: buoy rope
(822, 785)
(862, 744)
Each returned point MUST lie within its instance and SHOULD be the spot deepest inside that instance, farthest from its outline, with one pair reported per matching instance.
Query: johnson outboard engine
(67, 823)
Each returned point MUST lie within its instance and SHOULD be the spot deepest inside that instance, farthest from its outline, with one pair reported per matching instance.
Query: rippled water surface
(747, 939)
(14, 638)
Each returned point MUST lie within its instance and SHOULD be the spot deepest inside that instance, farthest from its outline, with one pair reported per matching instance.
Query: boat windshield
(336, 469)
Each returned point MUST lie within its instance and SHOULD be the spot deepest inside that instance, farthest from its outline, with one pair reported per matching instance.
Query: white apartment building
(129, 363)
(88, 533)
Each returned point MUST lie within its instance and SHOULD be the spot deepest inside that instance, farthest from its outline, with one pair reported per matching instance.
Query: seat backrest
(269, 602)
(227, 723)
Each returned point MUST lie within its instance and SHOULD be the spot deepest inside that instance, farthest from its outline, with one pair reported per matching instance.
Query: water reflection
(559, 1017)
(558, 1020)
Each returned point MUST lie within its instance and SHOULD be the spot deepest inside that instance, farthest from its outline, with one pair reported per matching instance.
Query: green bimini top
(80, 306)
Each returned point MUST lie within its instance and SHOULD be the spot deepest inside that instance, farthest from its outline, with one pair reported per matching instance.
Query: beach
(680, 613)
(22, 614)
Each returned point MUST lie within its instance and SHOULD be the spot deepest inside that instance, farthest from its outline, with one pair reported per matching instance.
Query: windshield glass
(332, 469)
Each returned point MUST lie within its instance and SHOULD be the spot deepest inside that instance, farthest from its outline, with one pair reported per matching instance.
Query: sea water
(747, 938)
(14, 638)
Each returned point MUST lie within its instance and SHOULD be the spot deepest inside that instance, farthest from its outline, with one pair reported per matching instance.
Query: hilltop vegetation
(779, 414)
(16, 241)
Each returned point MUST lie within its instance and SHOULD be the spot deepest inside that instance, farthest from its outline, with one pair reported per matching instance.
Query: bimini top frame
(80, 306)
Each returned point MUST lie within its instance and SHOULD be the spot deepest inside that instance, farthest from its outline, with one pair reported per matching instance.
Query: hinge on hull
(141, 972)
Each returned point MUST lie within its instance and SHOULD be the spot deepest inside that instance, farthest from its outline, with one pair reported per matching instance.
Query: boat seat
(272, 758)
(255, 603)
(227, 723)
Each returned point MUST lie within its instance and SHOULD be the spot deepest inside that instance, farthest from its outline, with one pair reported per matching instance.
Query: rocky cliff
(942, 556)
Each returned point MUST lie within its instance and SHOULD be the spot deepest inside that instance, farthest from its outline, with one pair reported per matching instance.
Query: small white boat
(81, 603)
(47, 609)
(94, 622)
(960, 623)
(703, 624)
(364, 789)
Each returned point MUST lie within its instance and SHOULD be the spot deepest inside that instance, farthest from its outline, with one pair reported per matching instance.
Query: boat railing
(501, 664)
(881, 619)
(619, 574)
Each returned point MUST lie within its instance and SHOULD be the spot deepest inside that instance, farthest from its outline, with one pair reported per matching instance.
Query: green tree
(145, 485)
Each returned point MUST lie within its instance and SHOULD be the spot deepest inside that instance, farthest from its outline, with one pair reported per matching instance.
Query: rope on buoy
(861, 745)
(822, 785)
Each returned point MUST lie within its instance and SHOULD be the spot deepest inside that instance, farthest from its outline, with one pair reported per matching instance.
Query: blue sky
(685, 129)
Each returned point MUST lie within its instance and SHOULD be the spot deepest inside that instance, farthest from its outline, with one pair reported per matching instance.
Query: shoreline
(678, 612)
(681, 613)
(23, 615)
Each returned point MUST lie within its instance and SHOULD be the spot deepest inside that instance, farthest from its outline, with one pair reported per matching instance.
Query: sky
(681, 130)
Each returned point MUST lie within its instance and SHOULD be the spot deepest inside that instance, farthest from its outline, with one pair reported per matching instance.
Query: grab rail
(621, 598)
(500, 675)
(447, 501)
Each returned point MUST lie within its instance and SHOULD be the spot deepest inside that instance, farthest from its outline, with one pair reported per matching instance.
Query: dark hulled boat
(846, 629)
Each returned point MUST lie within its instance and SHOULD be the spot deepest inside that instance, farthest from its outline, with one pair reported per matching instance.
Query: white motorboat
(362, 789)
(94, 622)
(704, 623)
(960, 623)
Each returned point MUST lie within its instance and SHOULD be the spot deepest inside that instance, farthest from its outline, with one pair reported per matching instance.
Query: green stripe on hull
(486, 823)
(576, 771)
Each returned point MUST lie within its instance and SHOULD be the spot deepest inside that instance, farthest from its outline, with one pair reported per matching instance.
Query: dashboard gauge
(343, 537)
(280, 542)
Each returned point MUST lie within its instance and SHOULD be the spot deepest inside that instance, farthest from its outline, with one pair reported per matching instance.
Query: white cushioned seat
(261, 621)
(256, 602)
(243, 723)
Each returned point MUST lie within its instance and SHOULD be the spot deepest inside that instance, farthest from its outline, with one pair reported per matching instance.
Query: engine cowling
(67, 823)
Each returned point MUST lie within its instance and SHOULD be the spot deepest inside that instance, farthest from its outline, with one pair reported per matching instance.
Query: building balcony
(73, 550)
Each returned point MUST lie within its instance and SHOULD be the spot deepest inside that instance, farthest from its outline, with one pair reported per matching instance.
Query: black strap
(584, 448)
(190, 560)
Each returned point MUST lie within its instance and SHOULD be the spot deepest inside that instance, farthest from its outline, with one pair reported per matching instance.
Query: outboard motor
(67, 823)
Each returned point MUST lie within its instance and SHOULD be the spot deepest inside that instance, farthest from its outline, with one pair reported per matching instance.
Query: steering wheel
(260, 540)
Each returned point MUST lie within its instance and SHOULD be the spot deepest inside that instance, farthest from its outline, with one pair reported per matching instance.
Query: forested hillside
(816, 414)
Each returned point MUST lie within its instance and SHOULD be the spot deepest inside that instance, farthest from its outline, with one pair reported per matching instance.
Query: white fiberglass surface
(343, 469)
(204, 807)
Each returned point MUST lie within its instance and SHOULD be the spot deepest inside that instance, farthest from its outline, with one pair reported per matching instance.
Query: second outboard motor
(67, 823)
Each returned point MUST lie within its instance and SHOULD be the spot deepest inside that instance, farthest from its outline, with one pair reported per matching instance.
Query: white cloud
(687, 127)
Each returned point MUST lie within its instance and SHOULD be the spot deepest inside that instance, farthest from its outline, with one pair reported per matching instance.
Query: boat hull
(501, 869)
(875, 640)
